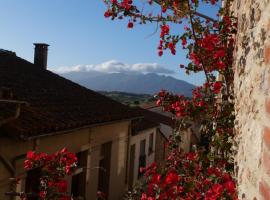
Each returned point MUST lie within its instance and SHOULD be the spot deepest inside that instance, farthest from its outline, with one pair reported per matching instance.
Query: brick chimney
(41, 55)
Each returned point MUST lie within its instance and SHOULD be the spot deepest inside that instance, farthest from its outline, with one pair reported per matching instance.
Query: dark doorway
(104, 169)
(79, 179)
(131, 165)
(32, 183)
(142, 158)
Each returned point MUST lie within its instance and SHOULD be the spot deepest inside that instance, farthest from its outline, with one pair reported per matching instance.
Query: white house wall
(145, 134)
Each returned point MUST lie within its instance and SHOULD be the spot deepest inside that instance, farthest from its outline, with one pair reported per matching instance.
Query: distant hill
(129, 98)
(130, 82)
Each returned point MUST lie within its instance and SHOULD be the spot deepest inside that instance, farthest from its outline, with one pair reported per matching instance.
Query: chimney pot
(41, 55)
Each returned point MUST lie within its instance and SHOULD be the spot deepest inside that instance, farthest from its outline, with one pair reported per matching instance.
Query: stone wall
(252, 90)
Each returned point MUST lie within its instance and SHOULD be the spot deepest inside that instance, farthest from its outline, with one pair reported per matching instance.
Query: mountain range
(138, 83)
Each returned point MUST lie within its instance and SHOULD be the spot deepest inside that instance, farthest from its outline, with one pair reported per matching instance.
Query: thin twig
(196, 39)
(156, 29)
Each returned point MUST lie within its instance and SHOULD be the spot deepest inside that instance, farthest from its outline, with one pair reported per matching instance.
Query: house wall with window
(190, 137)
(142, 152)
(161, 151)
(113, 139)
(87, 144)
(57, 113)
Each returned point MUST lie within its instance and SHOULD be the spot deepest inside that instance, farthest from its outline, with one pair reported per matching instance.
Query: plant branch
(196, 39)
(194, 13)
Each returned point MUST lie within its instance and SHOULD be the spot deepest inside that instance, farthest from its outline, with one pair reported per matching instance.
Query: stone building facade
(252, 92)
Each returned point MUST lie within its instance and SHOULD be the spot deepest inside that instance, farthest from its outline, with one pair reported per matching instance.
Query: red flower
(165, 29)
(191, 156)
(160, 53)
(221, 65)
(217, 87)
(219, 54)
(144, 196)
(163, 9)
(226, 177)
(130, 25)
(62, 186)
(28, 164)
(107, 14)
(172, 177)
(201, 104)
(217, 189)
(230, 186)
(42, 194)
(184, 42)
(31, 155)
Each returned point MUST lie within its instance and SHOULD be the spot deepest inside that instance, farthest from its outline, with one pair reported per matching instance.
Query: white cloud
(114, 66)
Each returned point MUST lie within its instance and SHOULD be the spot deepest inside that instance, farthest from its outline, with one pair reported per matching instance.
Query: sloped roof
(7, 112)
(141, 125)
(54, 103)
(157, 117)
(150, 119)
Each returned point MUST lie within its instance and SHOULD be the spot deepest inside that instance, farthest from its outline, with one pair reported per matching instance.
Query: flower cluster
(199, 104)
(188, 176)
(212, 51)
(54, 168)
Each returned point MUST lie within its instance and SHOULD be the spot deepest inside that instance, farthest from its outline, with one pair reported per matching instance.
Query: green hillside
(129, 98)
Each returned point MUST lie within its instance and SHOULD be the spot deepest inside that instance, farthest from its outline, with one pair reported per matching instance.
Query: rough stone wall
(252, 90)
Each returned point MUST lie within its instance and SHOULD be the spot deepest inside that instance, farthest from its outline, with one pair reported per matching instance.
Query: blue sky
(78, 33)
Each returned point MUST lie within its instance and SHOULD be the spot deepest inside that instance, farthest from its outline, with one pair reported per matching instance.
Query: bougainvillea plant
(206, 173)
(52, 170)
(187, 176)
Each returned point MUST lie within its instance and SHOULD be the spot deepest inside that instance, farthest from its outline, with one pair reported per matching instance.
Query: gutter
(8, 164)
(17, 112)
(77, 129)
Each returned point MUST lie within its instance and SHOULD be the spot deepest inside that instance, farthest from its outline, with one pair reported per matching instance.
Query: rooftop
(53, 103)
(151, 119)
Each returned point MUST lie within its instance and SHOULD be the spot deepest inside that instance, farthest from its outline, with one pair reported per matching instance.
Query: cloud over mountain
(114, 66)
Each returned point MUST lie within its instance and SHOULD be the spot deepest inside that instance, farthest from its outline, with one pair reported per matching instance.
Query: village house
(189, 137)
(164, 131)
(147, 142)
(44, 112)
(141, 148)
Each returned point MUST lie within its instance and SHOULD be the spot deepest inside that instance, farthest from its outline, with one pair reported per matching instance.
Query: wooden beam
(8, 164)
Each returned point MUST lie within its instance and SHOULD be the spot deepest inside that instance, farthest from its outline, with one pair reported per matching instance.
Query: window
(142, 158)
(79, 178)
(104, 169)
(151, 144)
(131, 165)
(32, 183)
